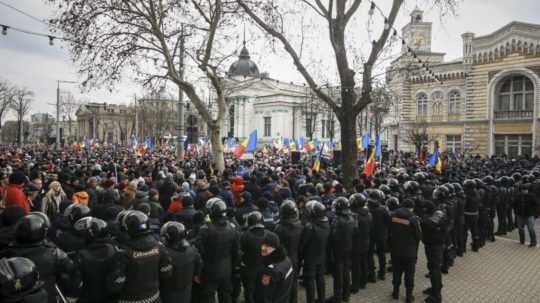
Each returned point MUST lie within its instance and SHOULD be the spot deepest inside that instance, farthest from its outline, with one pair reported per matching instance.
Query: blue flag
(252, 142)
(286, 143)
(378, 146)
(365, 141)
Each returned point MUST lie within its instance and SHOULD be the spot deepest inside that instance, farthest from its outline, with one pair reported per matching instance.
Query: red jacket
(15, 197)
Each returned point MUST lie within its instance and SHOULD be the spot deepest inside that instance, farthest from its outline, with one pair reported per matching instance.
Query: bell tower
(417, 33)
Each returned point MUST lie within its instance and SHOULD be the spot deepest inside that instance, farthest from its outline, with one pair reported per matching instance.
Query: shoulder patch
(400, 221)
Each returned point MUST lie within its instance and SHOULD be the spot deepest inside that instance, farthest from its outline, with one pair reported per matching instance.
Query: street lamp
(58, 110)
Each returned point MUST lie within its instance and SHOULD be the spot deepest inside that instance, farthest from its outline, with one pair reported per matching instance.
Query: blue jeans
(529, 221)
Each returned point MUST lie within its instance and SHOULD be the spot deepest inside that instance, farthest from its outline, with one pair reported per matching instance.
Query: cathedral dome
(244, 66)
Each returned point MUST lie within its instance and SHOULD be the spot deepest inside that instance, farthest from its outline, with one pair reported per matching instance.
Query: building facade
(276, 109)
(108, 123)
(486, 102)
(42, 128)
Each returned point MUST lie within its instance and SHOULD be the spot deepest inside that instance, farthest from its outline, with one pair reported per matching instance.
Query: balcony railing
(513, 115)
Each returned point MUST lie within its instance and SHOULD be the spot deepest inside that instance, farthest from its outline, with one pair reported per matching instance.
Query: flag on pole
(365, 141)
(292, 146)
(378, 147)
(421, 155)
(85, 142)
(249, 144)
(317, 164)
(369, 168)
(436, 161)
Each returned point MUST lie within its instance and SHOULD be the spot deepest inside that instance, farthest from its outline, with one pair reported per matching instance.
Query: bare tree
(21, 106)
(336, 17)
(418, 136)
(6, 98)
(108, 36)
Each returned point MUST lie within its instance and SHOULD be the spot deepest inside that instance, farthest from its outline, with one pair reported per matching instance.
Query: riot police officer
(471, 211)
(361, 239)
(19, 281)
(379, 234)
(405, 236)
(99, 283)
(53, 264)
(144, 261)
(490, 206)
(312, 250)
(434, 231)
(459, 229)
(63, 234)
(250, 246)
(341, 236)
(186, 263)
(289, 231)
(218, 245)
(277, 276)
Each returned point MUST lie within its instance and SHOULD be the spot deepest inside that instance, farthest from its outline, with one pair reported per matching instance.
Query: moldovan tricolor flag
(369, 168)
(248, 145)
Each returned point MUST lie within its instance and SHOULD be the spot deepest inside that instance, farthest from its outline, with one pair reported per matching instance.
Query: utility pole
(182, 53)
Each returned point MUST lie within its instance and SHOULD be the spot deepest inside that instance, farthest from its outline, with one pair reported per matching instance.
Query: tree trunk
(347, 123)
(217, 146)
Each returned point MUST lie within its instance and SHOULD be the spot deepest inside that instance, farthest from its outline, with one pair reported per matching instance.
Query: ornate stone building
(275, 108)
(486, 102)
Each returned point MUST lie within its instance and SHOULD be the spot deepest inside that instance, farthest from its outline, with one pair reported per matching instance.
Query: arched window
(515, 98)
(436, 108)
(454, 103)
(421, 105)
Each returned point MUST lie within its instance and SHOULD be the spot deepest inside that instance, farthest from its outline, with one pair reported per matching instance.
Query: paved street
(504, 271)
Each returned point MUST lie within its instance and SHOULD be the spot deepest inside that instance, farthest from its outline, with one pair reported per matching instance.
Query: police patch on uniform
(265, 280)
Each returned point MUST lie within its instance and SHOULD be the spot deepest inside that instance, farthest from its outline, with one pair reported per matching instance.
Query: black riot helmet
(173, 232)
(74, 212)
(440, 194)
(31, 228)
(120, 218)
(17, 275)
(450, 188)
(489, 180)
(91, 228)
(469, 184)
(288, 210)
(357, 201)
(217, 209)
(411, 187)
(516, 177)
(341, 205)
(316, 210)
(385, 189)
(254, 220)
(136, 223)
(375, 194)
(457, 188)
(479, 183)
(392, 203)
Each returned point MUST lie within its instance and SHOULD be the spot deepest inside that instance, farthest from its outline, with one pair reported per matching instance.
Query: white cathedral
(275, 108)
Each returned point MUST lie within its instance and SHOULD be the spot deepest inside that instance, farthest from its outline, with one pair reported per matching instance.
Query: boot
(395, 293)
(427, 291)
(409, 298)
(433, 299)
(381, 276)
(522, 237)
(371, 278)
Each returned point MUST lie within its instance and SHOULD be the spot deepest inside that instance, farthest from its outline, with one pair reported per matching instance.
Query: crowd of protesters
(108, 225)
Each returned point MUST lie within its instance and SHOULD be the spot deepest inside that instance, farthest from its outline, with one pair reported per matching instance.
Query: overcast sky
(29, 61)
